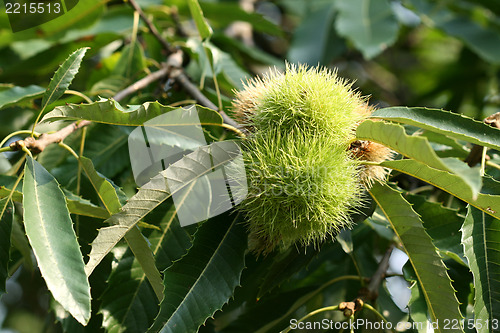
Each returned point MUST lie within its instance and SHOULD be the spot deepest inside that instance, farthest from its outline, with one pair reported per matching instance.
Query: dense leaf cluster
(83, 249)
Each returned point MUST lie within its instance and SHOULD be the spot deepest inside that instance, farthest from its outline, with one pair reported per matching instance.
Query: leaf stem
(79, 94)
(234, 129)
(378, 314)
(68, 148)
(310, 314)
(368, 163)
(37, 120)
(493, 165)
(483, 161)
(79, 177)
(9, 197)
(361, 279)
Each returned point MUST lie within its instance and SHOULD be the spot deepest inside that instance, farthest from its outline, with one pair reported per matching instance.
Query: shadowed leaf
(202, 281)
(181, 175)
(369, 24)
(7, 215)
(17, 94)
(481, 239)
(129, 303)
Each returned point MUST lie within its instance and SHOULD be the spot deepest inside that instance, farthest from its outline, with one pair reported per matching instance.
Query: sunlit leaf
(110, 112)
(429, 268)
(63, 77)
(51, 235)
(76, 204)
(182, 174)
(488, 203)
(203, 28)
(417, 148)
(451, 124)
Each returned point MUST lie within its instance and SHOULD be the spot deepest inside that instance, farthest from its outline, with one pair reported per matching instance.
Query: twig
(152, 28)
(180, 77)
(142, 83)
(38, 145)
(371, 292)
(173, 69)
(178, 74)
(379, 275)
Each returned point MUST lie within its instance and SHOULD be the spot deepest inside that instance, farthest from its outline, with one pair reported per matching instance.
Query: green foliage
(112, 257)
(154, 193)
(63, 77)
(429, 269)
(419, 149)
(110, 112)
(451, 124)
(7, 214)
(129, 303)
(49, 229)
(480, 238)
(370, 24)
(215, 259)
(16, 94)
(203, 28)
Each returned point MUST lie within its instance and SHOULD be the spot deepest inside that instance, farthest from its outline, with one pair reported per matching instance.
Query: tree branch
(178, 74)
(38, 145)
(166, 46)
(173, 69)
(371, 292)
(180, 77)
(378, 277)
(142, 83)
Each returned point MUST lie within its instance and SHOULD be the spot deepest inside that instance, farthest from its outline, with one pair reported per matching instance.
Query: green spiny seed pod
(302, 159)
